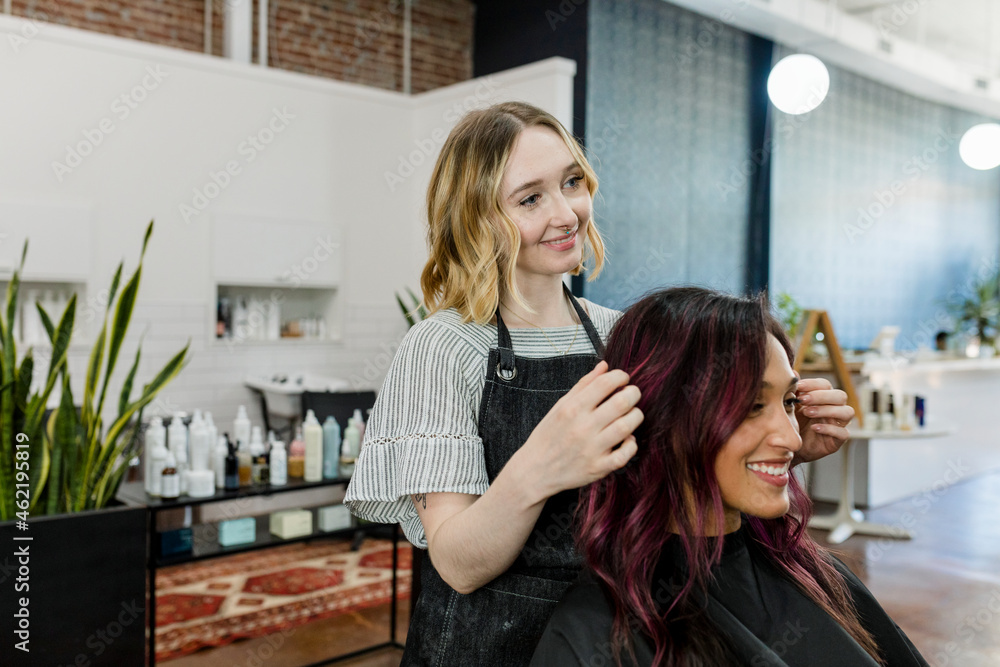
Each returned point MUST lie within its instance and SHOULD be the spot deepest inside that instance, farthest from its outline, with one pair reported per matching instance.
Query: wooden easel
(819, 320)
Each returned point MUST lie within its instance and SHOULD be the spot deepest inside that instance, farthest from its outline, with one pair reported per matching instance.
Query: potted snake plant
(84, 591)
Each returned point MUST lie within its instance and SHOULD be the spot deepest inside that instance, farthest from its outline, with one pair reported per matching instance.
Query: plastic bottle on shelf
(155, 437)
(170, 484)
(156, 452)
(221, 452)
(245, 463)
(200, 444)
(177, 435)
(297, 456)
(213, 437)
(331, 448)
(279, 464)
(350, 448)
(258, 457)
(313, 435)
(241, 427)
(359, 421)
(232, 466)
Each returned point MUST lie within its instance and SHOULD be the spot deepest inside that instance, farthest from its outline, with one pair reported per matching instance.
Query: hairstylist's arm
(474, 539)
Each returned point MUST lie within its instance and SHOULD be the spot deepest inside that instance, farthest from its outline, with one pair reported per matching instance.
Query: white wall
(328, 163)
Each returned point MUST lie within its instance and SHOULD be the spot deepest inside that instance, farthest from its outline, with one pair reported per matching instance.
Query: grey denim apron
(499, 624)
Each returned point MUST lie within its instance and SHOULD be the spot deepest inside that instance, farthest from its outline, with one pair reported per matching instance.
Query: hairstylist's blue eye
(574, 182)
(530, 201)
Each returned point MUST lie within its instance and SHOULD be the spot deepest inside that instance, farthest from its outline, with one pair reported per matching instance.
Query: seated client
(697, 551)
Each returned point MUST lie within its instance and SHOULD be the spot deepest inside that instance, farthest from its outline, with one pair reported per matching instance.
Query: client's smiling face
(752, 467)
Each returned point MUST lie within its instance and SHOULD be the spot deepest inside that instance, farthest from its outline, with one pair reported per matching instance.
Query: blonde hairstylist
(496, 408)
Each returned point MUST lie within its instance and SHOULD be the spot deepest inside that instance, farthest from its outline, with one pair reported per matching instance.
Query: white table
(848, 519)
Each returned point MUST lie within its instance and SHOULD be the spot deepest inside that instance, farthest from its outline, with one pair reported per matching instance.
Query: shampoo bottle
(221, 451)
(245, 463)
(155, 437)
(279, 464)
(331, 448)
(213, 438)
(359, 421)
(297, 456)
(232, 466)
(241, 427)
(170, 480)
(201, 446)
(258, 458)
(178, 436)
(350, 448)
(313, 435)
(158, 460)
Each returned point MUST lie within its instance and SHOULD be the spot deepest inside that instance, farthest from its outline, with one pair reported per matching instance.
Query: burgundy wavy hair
(699, 357)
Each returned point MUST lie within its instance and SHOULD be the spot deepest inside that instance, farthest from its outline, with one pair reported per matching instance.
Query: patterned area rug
(216, 602)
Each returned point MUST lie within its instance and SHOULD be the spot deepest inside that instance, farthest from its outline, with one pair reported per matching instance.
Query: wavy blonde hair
(473, 244)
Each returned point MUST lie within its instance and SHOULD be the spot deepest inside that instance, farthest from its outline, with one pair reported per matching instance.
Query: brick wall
(360, 41)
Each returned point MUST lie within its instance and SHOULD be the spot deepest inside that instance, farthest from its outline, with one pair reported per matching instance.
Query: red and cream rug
(216, 602)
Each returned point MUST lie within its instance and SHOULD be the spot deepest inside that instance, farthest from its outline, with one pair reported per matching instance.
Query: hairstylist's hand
(823, 418)
(577, 442)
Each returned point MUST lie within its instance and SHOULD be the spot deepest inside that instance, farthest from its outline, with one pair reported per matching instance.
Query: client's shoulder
(579, 631)
(584, 604)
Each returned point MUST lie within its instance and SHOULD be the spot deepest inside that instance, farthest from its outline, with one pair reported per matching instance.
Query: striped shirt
(422, 436)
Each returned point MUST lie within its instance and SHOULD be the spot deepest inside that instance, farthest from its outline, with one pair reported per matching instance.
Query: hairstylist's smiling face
(544, 193)
(753, 466)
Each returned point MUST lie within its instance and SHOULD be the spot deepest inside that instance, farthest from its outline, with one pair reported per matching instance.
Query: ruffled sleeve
(422, 435)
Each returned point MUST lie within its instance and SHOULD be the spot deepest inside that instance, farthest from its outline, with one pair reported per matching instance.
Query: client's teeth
(770, 470)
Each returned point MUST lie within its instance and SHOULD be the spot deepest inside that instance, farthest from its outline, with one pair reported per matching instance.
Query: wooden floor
(942, 588)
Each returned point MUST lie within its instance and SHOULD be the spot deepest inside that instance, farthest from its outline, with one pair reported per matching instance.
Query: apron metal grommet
(504, 376)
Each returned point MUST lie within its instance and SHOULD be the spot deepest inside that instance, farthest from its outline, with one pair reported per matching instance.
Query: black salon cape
(764, 618)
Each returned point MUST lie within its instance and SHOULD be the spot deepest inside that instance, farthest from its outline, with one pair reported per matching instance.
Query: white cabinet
(264, 251)
(59, 241)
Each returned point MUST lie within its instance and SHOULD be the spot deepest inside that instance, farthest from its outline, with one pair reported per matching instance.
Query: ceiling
(967, 31)
(943, 50)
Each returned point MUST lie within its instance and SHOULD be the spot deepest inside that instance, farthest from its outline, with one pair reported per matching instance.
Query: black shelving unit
(206, 544)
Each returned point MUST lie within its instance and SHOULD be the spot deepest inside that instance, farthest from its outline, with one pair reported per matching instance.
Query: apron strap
(588, 326)
(505, 346)
(507, 371)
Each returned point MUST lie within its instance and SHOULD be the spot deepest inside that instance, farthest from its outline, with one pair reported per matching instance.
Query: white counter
(963, 395)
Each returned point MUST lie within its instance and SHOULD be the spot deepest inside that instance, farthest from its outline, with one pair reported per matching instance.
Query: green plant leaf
(46, 322)
(127, 386)
(417, 305)
(119, 327)
(406, 312)
(60, 349)
(90, 382)
(23, 383)
(149, 391)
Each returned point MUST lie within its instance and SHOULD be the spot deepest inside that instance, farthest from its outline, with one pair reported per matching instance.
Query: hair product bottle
(241, 427)
(313, 434)
(232, 466)
(297, 456)
(155, 438)
(350, 448)
(331, 448)
(170, 481)
(221, 451)
(279, 464)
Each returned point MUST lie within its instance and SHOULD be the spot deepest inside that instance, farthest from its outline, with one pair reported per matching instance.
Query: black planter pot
(84, 581)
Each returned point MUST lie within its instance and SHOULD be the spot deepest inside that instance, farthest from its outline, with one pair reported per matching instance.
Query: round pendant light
(980, 147)
(798, 83)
